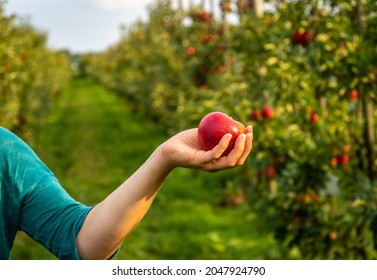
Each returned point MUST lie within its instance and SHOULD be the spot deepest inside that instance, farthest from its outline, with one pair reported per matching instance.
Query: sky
(80, 25)
(84, 25)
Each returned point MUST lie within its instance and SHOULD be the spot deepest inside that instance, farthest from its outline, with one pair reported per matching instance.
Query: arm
(114, 218)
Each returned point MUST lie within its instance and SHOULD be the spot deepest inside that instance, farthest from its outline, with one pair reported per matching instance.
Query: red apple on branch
(214, 126)
(303, 37)
(254, 115)
(354, 95)
(270, 171)
(343, 159)
(190, 50)
(268, 112)
(314, 118)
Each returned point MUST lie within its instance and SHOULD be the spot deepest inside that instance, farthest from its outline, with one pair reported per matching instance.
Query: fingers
(249, 129)
(222, 146)
(218, 150)
(236, 157)
(247, 148)
(242, 147)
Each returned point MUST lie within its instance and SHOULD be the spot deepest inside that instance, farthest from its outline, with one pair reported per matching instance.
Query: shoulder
(13, 148)
(5, 134)
(11, 143)
(9, 140)
(19, 162)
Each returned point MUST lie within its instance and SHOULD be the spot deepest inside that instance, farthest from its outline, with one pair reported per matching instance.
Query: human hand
(183, 150)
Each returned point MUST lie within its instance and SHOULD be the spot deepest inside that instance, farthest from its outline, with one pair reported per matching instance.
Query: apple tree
(311, 63)
(30, 74)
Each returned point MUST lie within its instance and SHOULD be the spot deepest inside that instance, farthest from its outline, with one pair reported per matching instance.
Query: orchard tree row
(303, 73)
(30, 74)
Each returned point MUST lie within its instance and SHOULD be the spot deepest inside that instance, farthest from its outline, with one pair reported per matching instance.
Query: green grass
(93, 141)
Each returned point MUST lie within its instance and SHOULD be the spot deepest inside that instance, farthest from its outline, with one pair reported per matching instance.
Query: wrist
(163, 156)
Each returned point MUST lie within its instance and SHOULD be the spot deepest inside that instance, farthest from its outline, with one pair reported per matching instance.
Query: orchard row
(30, 74)
(304, 75)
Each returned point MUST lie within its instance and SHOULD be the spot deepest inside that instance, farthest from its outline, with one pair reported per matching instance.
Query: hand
(183, 150)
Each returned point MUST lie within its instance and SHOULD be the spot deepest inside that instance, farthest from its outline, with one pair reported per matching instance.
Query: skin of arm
(109, 222)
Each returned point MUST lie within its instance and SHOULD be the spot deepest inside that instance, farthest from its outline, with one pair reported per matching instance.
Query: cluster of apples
(267, 112)
(303, 37)
(342, 158)
(201, 15)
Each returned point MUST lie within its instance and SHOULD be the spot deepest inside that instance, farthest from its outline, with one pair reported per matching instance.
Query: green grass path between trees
(93, 141)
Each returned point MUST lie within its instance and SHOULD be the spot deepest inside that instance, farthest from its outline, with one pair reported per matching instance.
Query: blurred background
(95, 88)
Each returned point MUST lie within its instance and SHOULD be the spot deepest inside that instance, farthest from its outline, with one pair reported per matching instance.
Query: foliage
(304, 74)
(30, 74)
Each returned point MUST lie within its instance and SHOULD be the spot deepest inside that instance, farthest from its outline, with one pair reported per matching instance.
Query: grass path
(93, 141)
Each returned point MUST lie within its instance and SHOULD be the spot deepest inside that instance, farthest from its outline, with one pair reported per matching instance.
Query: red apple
(297, 37)
(270, 171)
(314, 118)
(268, 112)
(204, 15)
(343, 159)
(254, 115)
(190, 50)
(303, 37)
(207, 38)
(354, 95)
(214, 126)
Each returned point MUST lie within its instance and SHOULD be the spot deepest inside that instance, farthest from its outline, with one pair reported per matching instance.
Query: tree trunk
(258, 8)
(369, 134)
(367, 104)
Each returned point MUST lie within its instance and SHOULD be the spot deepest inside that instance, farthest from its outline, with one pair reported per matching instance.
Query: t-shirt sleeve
(32, 200)
(53, 218)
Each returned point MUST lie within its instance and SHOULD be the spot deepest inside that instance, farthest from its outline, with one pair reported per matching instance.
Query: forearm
(114, 218)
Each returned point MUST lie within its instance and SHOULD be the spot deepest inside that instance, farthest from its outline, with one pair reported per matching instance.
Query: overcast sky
(80, 25)
(83, 25)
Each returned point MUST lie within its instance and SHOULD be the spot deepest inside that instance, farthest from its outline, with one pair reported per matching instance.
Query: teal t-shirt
(33, 201)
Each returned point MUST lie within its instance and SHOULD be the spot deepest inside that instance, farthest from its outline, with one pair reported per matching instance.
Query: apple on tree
(214, 126)
(268, 112)
(254, 115)
(270, 171)
(343, 159)
(303, 37)
(354, 95)
(314, 118)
